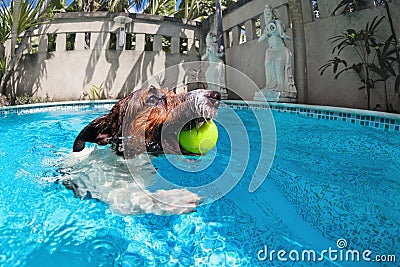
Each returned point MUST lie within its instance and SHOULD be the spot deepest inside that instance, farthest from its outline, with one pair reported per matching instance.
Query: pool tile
(375, 121)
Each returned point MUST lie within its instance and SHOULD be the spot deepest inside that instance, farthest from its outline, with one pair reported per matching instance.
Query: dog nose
(213, 94)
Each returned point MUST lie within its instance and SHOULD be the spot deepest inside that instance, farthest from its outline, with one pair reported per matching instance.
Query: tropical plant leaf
(335, 62)
(367, 48)
(367, 25)
(31, 14)
(340, 72)
(339, 51)
(351, 33)
(324, 67)
(387, 44)
(370, 84)
(345, 4)
(374, 24)
(5, 22)
(3, 65)
(337, 37)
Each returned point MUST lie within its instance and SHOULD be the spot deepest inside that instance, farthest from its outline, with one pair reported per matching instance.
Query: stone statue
(215, 74)
(279, 82)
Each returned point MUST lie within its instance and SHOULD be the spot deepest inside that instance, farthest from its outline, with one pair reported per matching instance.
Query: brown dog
(149, 120)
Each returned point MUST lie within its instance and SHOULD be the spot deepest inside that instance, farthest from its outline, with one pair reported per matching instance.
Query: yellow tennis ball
(201, 140)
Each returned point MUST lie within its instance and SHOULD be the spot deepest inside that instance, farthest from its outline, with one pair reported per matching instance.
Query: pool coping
(374, 119)
(322, 108)
(368, 118)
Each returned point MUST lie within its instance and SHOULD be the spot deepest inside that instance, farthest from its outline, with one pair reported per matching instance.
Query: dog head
(154, 118)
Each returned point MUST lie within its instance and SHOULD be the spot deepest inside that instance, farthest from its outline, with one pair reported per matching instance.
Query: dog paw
(176, 201)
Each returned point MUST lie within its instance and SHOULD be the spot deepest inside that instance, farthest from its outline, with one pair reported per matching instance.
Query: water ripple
(103, 250)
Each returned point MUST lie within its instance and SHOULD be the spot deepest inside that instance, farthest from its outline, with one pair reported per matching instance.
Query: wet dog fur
(148, 120)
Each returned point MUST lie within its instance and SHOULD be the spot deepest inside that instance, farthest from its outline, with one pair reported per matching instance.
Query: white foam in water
(103, 174)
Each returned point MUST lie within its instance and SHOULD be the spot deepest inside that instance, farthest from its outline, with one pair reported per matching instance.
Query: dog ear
(91, 133)
(104, 128)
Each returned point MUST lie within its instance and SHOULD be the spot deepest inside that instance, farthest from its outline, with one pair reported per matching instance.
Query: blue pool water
(329, 180)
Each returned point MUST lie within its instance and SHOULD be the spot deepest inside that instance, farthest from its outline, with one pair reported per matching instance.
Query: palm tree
(299, 47)
(16, 10)
(5, 30)
(21, 19)
(159, 7)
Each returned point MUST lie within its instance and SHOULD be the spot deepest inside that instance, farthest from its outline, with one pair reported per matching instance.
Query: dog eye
(152, 99)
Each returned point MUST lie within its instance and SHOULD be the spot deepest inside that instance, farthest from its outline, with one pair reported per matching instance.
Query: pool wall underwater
(310, 207)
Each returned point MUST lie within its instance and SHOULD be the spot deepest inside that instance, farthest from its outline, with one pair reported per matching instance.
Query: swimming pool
(330, 180)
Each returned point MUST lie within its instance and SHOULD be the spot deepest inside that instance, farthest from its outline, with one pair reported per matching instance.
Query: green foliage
(161, 7)
(52, 38)
(28, 99)
(58, 5)
(377, 58)
(5, 22)
(105, 5)
(195, 10)
(70, 41)
(95, 92)
(199, 10)
(34, 48)
(363, 42)
(31, 15)
(188, 9)
(113, 5)
(386, 58)
(395, 44)
(3, 64)
(118, 5)
(166, 44)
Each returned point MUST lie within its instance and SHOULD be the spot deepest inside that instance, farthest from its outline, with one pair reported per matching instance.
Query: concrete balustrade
(67, 74)
(100, 38)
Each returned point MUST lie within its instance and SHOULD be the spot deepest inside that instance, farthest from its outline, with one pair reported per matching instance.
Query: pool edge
(373, 119)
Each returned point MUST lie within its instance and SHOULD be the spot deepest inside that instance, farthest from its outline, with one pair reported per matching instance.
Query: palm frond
(5, 22)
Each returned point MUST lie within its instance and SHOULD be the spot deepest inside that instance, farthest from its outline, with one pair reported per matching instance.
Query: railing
(246, 23)
(89, 31)
(76, 51)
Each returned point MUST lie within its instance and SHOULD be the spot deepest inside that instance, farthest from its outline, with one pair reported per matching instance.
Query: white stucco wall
(248, 57)
(65, 75)
(324, 90)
